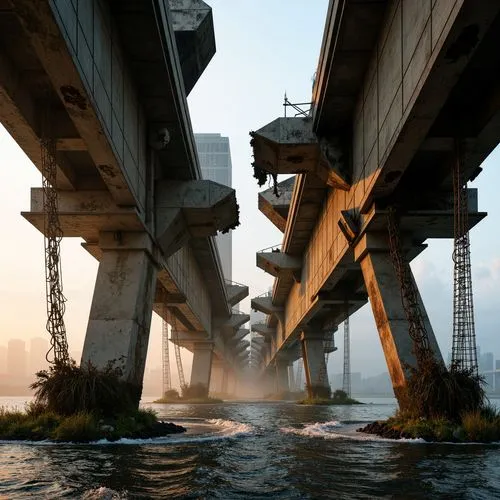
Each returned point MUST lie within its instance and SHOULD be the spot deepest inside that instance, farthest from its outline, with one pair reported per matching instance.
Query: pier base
(384, 291)
(313, 354)
(122, 305)
(202, 364)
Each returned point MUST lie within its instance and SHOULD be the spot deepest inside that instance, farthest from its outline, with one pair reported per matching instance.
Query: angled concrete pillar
(384, 291)
(216, 376)
(282, 382)
(202, 363)
(313, 354)
(291, 377)
(120, 315)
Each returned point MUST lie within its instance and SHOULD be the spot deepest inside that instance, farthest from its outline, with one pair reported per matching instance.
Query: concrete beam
(278, 264)
(54, 56)
(85, 214)
(263, 329)
(195, 38)
(276, 208)
(265, 305)
(288, 145)
(236, 292)
(192, 209)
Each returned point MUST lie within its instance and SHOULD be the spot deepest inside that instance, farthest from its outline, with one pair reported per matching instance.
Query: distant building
(215, 163)
(3, 360)
(16, 359)
(37, 355)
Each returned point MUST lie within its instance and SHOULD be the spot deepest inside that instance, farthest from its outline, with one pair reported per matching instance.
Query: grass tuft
(70, 389)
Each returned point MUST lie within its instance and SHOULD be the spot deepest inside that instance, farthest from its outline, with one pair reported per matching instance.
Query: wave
(205, 430)
(104, 493)
(337, 430)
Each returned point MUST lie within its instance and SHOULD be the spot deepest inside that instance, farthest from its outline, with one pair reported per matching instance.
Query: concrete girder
(288, 145)
(241, 346)
(53, 53)
(424, 224)
(276, 208)
(263, 329)
(231, 325)
(192, 209)
(195, 39)
(265, 305)
(236, 292)
(85, 214)
(278, 264)
(239, 335)
(20, 115)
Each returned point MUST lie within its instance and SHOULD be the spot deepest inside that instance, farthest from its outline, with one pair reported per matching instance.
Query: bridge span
(99, 87)
(403, 91)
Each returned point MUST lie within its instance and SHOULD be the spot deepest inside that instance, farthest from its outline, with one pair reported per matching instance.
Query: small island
(81, 405)
(441, 405)
(339, 397)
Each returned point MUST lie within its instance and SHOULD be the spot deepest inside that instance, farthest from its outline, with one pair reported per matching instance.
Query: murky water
(254, 450)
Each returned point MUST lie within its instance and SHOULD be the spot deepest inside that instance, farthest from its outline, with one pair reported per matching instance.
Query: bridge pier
(202, 364)
(122, 305)
(384, 291)
(282, 382)
(313, 354)
(216, 376)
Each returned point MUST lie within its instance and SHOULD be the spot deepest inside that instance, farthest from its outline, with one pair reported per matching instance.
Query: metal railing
(274, 248)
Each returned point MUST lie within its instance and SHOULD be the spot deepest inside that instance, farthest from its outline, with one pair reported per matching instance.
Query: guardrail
(274, 248)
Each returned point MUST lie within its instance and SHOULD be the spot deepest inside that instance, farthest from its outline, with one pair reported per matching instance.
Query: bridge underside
(106, 85)
(383, 135)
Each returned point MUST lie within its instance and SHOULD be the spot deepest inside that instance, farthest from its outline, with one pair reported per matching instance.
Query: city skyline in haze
(259, 58)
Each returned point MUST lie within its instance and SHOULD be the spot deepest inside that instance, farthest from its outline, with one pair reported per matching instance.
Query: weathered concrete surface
(279, 263)
(288, 145)
(236, 292)
(120, 315)
(275, 208)
(195, 39)
(265, 305)
(192, 209)
(313, 355)
(202, 364)
(384, 291)
(282, 382)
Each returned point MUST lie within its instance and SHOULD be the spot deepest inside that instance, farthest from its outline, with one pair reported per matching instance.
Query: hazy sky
(264, 48)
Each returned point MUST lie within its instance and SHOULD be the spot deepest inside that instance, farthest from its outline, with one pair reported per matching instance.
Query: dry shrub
(434, 391)
(69, 389)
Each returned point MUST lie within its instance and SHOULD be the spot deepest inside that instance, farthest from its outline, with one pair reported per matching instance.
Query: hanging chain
(55, 299)
(346, 379)
(464, 355)
(167, 381)
(409, 294)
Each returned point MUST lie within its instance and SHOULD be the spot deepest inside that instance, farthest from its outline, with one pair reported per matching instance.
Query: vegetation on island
(339, 397)
(82, 404)
(192, 394)
(442, 405)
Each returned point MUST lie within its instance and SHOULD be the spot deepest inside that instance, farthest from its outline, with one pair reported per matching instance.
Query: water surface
(254, 450)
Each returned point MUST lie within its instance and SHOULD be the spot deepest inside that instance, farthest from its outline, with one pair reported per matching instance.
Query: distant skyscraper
(16, 358)
(38, 351)
(3, 360)
(215, 163)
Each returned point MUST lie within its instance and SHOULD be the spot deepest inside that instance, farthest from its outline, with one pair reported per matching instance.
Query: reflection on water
(254, 450)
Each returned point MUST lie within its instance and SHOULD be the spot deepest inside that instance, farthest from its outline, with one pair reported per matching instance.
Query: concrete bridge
(104, 83)
(404, 89)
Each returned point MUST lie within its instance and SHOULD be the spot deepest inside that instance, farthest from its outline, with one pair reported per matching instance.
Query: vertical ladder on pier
(346, 379)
